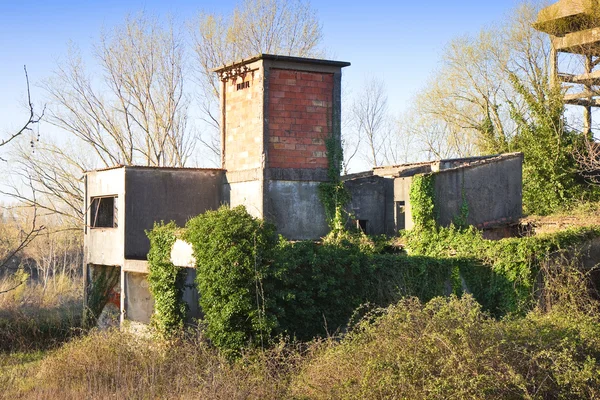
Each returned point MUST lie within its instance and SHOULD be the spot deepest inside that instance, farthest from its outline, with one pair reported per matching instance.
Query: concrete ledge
(182, 254)
(243, 176)
(139, 266)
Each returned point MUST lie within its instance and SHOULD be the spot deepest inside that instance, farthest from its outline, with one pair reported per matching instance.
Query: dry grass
(35, 316)
(113, 364)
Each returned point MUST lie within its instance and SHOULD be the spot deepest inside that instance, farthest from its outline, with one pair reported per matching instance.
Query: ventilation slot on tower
(243, 85)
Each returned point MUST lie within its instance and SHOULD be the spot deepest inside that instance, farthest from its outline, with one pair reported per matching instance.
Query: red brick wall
(244, 123)
(300, 113)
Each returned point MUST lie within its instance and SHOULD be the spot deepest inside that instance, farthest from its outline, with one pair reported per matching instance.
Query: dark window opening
(103, 213)
(362, 225)
(243, 85)
(400, 215)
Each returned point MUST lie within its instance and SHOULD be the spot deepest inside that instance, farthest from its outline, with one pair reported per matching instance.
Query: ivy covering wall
(255, 287)
(501, 274)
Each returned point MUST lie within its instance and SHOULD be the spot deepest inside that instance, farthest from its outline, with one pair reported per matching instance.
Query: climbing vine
(333, 194)
(422, 202)
(102, 280)
(166, 281)
(461, 220)
(501, 274)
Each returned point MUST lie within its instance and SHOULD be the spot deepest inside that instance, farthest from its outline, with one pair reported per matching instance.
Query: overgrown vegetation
(422, 200)
(232, 251)
(35, 316)
(446, 348)
(333, 194)
(165, 280)
(102, 280)
(502, 274)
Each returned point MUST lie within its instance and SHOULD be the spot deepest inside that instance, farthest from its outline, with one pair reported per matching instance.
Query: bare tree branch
(32, 120)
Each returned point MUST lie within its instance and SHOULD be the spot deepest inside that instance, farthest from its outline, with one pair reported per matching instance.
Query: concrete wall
(248, 194)
(492, 190)
(372, 200)
(296, 210)
(402, 195)
(191, 296)
(165, 194)
(138, 302)
(104, 246)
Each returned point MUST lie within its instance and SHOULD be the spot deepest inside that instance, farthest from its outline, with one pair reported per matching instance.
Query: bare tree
(254, 27)
(587, 155)
(472, 99)
(372, 120)
(137, 112)
(11, 245)
(32, 120)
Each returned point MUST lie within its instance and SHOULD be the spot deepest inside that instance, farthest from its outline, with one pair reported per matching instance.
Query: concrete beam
(585, 42)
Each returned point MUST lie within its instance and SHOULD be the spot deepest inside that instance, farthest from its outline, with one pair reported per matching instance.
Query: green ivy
(333, 194)
(501, 274)
(232, 251)
(166, 281)
(422, 202)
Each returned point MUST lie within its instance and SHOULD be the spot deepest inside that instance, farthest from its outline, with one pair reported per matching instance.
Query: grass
(35, 316)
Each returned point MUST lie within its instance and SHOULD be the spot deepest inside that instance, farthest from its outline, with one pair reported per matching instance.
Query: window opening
(103, 212)
(362, 225)
(400, 215)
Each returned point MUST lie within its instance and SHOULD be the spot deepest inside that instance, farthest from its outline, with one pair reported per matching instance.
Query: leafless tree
(24, 234)
(472, 98)
(33, 119)
(254, 27)
(587, 155)
(372, 120)
(136, 112)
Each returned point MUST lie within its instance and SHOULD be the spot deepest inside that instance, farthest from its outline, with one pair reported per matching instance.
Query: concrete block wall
(243, 117)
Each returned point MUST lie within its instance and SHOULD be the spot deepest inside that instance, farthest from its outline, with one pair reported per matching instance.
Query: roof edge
(275, 57)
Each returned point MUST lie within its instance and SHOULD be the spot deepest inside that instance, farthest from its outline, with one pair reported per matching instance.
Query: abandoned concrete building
(277, 112)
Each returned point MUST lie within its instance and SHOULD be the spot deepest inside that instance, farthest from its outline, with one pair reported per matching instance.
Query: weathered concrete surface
(372, 200)
(165, 194)
(104, 246)
(402, 201)
(248, 194)
(139, 304)
(296, 210)
(191, 296)
(182, 254)
(492, 192)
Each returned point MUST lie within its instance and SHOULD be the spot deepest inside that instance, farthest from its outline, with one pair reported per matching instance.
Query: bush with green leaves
(166, 281)
(501, 274)
(233, 251)
(316, 287)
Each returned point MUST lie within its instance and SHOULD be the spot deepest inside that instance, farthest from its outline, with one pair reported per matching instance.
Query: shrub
(315, 288)
(232, 251)
(501, 274)
(449, 348)
(166, 281)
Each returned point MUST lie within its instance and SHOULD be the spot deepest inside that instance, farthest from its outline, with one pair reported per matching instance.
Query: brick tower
(276, 113)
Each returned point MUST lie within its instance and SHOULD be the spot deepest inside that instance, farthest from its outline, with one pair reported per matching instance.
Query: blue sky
(399, 41)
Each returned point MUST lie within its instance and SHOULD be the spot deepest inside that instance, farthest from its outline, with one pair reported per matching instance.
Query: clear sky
(398, 41)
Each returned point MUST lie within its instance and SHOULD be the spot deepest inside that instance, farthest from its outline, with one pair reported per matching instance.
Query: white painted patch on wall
(182, 254)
